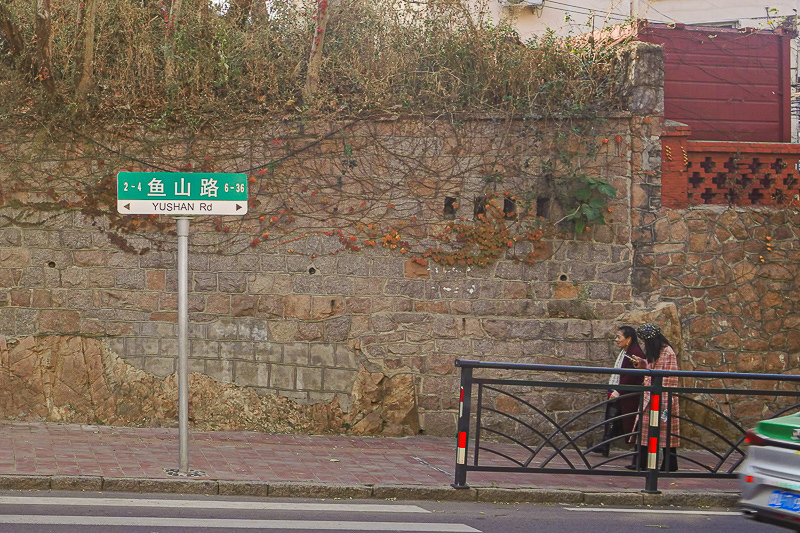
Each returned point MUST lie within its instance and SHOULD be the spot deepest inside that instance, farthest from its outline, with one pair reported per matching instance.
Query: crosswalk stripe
(213, 523)
(211, 504)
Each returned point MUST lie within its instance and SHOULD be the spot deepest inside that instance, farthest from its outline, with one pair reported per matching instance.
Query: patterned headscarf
(648, 331)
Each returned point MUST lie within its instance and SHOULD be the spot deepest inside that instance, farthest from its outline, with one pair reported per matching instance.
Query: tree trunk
(13, 37)
(317, 42)
(85, 74)
(44, 45)
(169, 42)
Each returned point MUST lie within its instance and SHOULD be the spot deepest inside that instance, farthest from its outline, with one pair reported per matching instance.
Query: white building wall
(582, 16)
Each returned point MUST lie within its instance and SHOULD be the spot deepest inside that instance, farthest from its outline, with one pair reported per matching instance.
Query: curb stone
(544, 496)
(78, 483)
(243, 488)
(634, 499)
(414, 492)
(728, 500)
(183, 486)
(25, 482)
(319, 490)
(690, 499)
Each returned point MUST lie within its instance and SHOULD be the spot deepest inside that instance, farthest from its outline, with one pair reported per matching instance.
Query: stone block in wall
(59, 321)
(159, 260)
(337, 285)
(309, 378)
(350, 265)
(155, 280)
(283, 330)
(337, 329)
(10, 277)
(297, 306)
(338, 380)
(35, 277)
(203, 281)
(197, 365)
(218, 304)
(271, 352)
(11, 237)
(89, 258)
(443, 422)
(366, 286)
(243, 305)
(203, 348)
(219, 370)
(310, 331)
(308, 284)
(159, 366)
(237, 350)
(322, 354)
(129, 279)
(250, 374)
(282, 377)
(326, 307)
(223, 329)
(15, 257)
(232, 282)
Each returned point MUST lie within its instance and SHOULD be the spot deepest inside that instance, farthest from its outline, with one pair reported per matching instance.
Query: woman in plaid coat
(659, 355)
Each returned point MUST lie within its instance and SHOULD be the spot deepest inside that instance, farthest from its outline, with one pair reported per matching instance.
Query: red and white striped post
(463, 428)
(653, 436)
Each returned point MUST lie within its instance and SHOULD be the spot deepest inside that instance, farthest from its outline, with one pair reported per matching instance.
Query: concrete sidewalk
(46, 456)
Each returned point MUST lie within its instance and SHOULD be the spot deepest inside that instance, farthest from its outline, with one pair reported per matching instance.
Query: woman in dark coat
(628, 402)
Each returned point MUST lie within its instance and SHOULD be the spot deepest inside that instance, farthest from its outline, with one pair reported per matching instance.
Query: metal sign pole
(183, 340)
(182, 195)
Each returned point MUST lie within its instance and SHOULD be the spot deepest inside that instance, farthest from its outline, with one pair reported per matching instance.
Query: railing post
(463, 428)
(653, 435)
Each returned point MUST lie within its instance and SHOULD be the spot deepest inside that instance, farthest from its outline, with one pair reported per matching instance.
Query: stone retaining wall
(364, 340)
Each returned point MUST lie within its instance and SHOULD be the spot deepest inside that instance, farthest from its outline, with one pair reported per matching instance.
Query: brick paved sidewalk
(46, 455)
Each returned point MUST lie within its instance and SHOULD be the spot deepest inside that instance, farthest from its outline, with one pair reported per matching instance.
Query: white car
(770, 474)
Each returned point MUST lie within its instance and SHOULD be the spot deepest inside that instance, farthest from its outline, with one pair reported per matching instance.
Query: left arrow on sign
(127, 206)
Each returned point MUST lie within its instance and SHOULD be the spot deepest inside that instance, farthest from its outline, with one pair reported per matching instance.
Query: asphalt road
(43, 512)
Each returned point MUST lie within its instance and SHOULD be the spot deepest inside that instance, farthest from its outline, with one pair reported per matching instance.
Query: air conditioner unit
(521, 3)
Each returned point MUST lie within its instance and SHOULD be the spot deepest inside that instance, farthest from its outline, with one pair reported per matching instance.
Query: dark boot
(611, 430)
(670, 460)
(639, 459)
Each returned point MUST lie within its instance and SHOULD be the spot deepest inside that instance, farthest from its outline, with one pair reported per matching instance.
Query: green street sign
(181, 193)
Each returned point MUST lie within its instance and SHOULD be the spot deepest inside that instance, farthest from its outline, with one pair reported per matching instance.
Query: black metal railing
(523, 424)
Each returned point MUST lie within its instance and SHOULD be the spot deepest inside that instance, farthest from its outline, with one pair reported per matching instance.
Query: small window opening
(479, 206)
(449, 207)
(543, 207)
(509, 208)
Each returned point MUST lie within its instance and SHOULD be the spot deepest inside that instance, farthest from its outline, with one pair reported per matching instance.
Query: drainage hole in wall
(563, 277)
(312, 270)
(51, 264)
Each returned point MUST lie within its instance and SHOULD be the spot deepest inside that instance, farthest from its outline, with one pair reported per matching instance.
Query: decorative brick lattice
(741, 178)
(728, 173)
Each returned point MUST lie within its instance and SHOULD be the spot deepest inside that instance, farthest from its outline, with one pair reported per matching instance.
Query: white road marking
(211, 504)
(651, 511)
(229, 524)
